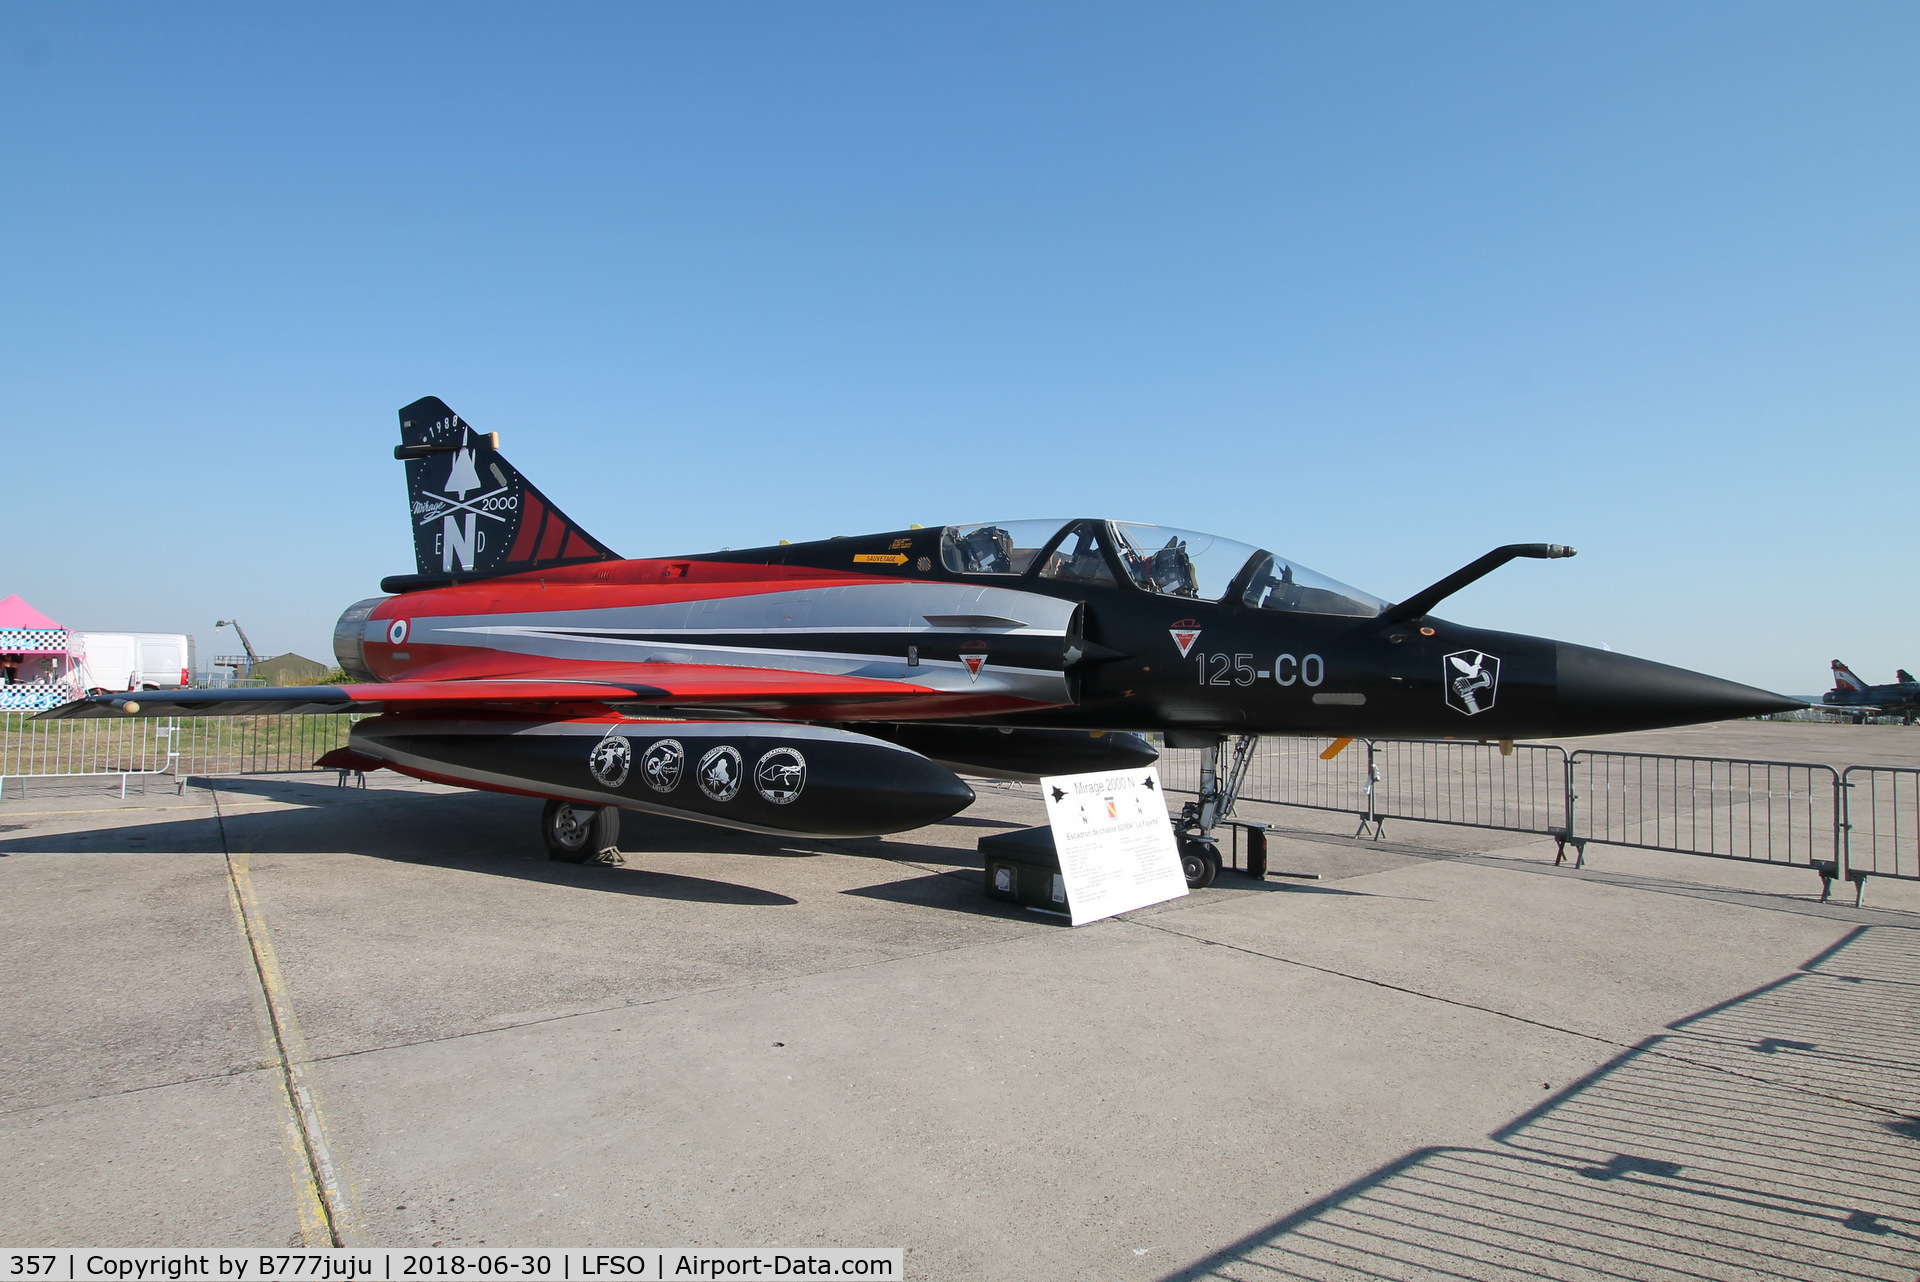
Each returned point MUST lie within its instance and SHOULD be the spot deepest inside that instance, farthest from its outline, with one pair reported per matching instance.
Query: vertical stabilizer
(1843, 678)
(473, 514)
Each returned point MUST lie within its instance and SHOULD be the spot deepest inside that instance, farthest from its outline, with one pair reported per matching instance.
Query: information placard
(1115, 843)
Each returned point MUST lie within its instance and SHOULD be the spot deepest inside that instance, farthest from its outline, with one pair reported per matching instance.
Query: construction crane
(234, 661)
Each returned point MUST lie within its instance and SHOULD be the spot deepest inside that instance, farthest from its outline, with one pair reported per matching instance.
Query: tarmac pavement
(1446, 1057)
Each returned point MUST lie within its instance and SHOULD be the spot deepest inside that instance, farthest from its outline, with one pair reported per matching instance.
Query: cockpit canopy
(1154, 558)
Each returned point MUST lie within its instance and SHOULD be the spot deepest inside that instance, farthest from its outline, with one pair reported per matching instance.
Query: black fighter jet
(1900, 699)
(832, 687)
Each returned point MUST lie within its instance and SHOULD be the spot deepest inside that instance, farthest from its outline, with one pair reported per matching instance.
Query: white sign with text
(1115, 843)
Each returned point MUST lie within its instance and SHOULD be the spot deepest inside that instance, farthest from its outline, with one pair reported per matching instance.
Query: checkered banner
(26, 640)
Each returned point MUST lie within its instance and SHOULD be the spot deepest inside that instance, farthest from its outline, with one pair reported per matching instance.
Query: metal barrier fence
(134, 747)
(1774, 812)
(127, 748)
(1881, 822)
(1288, 772)
(1845, 825)
(1518, 788)
(1521, 788)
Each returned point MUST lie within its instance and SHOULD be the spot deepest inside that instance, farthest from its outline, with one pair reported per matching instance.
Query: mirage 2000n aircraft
(833, 688)
(1900, 698)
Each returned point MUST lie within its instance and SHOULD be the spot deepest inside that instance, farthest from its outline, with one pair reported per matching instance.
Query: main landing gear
(577, 834)
(1219, 789)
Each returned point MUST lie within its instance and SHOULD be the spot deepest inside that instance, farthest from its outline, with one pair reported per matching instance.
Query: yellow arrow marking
(882, 558)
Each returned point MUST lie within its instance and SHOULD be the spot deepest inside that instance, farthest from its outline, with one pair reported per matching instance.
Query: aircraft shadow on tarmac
(1770, 1135)
(474, 832)
(495, 834)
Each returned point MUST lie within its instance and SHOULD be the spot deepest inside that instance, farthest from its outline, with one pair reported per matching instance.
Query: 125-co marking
(1238, 670)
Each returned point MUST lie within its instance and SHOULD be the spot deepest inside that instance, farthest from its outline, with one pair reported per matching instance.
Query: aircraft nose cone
(1600, 692)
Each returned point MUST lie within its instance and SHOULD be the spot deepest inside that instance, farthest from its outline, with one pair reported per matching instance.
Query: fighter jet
(834, 687)
(1901, 699)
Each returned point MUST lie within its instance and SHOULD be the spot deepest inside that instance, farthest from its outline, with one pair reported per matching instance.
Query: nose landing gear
(1199, 852)
(1199, 860)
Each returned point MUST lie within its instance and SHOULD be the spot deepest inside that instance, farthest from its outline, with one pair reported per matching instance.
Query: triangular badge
(1183, 637)
(974, 663)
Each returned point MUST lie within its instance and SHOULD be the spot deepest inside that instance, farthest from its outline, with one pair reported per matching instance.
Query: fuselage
(1061, 643)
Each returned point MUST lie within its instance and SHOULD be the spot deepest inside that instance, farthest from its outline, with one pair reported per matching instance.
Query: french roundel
(397, 632)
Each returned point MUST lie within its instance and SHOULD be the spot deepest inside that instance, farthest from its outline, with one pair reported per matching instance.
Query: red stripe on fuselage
(624, 584)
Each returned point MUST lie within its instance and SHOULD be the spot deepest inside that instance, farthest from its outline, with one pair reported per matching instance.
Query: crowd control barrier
(1847, 825)
(145, 748)
(1773, 812)
(1880, 823)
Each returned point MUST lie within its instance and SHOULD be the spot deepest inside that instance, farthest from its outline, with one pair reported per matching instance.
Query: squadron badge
(610, 760)
(780, 775)
(719, 773)
(1472, 680)
(662, 764)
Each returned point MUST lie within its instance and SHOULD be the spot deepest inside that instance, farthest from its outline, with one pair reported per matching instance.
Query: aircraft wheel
(1200, 861)
(574, 834)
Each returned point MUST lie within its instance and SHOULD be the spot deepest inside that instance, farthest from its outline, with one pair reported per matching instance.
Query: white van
(114, 661)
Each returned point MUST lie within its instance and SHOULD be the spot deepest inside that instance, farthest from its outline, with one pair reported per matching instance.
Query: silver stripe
(897, 607)
(620, 633)
(556, 634)
(826, 662)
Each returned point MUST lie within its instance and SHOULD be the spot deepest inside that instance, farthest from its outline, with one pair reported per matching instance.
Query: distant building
(290, 670)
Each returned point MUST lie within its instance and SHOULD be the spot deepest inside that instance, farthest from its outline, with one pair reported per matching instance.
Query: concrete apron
(385, 1017)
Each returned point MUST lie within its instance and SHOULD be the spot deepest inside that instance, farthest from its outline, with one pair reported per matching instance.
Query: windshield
(995, 547)
(1280, 584)
(1179, 562)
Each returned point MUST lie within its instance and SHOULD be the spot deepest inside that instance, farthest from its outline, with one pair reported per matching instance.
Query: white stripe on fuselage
(663, 631)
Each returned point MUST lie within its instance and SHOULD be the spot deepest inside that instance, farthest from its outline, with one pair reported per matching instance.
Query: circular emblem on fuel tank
(661, 764)
(780, 775)
(397, 632)
(610, 760)
(719, 773)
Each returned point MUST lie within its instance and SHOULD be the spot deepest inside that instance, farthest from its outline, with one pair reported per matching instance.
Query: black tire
(1200, 861)
(575, 834)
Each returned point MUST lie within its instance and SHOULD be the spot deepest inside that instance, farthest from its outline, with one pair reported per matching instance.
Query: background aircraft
(1900, 699)
(833, 687)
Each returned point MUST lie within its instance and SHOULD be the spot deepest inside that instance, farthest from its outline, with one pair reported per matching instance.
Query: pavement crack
(240, 1070)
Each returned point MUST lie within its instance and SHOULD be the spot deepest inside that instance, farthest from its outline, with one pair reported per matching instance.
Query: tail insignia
(473, 513)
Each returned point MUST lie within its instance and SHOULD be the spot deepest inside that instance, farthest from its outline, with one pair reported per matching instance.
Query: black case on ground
(1022, 868)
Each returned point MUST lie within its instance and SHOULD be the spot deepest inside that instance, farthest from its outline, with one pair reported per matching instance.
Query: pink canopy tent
(24, 630)
(36, 669)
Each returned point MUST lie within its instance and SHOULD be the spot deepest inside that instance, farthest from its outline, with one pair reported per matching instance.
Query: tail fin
(1843, 678)
(1904, 677)
(473, 515)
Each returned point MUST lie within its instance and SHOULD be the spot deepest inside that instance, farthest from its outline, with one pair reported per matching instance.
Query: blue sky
(1377, 286)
